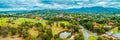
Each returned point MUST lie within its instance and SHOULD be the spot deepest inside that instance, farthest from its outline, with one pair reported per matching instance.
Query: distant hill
(15, 11)
(96, 9)
(93, 9)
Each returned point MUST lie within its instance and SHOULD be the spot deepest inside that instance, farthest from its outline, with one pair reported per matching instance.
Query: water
(64, 34)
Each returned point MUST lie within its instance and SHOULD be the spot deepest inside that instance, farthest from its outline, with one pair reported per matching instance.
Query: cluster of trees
(101, 21)
(103, 38)
(80, 36)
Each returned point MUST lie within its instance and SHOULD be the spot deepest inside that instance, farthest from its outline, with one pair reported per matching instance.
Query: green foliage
(88, 26)
(102, 38)
(80, 36)
(92, 38)
(51, 24)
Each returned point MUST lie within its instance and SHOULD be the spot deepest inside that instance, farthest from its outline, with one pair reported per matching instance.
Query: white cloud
(80, 3)
(37, 4)
(102, 3)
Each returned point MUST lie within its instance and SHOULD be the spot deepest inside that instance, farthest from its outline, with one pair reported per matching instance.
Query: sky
(6, 5)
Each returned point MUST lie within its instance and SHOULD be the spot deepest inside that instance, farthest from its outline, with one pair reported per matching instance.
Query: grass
(3, 21)
(33, 33)
(115, 30)
(56, 30)
(43, 22)
(92, 38)
(9, 37)
(21, 20)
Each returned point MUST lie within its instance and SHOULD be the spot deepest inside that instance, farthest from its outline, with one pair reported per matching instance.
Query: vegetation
(48, 25)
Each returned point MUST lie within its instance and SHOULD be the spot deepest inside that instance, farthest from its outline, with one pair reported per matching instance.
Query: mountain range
(93, 9)
(83, 9)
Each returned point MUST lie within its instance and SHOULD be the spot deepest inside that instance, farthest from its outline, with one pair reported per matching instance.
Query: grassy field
(92, 38)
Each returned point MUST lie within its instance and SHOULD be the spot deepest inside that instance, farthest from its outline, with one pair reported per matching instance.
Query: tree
(80, 36)
(38, 25)
(88, 26)
(101, 38)
(62, 25)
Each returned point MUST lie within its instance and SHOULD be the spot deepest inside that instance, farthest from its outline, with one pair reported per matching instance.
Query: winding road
(85, 33)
